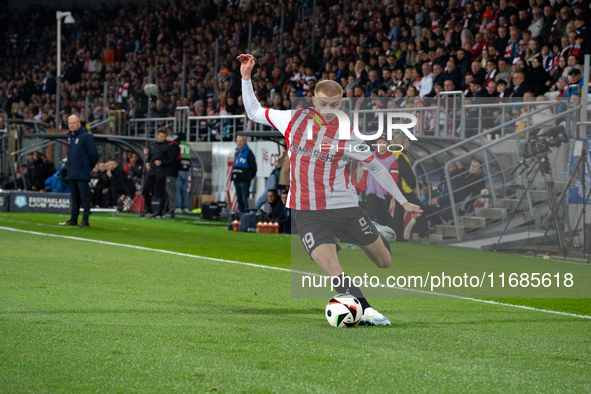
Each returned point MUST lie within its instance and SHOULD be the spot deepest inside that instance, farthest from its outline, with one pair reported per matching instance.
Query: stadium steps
(536, 195)
(473, 222)
(559, 186)
(510, 204)
(447, 231)
(491, 213)
(430, 238)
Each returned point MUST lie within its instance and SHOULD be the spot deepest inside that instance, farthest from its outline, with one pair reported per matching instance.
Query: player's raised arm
(254, 110)
(381, 175)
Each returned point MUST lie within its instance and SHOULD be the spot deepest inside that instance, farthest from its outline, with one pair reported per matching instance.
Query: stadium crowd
(410, 50)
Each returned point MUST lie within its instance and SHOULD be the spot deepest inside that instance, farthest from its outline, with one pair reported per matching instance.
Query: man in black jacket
(273, 206)
(285, 218)
(37, 173)
(120, 183)
(171, 165)
(82, 157)
(474, 182)
(155, 182)
(441, 206)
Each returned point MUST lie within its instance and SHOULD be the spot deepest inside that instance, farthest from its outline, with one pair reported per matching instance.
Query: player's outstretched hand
(247, 64)
(414, 209)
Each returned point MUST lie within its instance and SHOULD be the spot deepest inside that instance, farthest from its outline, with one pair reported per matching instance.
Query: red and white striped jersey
(320, 166)
(320, 169)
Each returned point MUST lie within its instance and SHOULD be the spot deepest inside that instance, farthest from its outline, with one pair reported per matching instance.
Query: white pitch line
(280, 269)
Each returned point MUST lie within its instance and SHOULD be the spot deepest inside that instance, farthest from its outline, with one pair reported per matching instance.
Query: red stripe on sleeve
(269, 119)
(370, 158)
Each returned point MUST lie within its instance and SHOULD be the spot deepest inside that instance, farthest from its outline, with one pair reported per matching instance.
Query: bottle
(259, 227)
(235, 224)
(265, 228)
(275, 228)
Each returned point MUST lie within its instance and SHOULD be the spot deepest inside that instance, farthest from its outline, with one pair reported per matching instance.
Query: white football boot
(371, 317)
(387, 232)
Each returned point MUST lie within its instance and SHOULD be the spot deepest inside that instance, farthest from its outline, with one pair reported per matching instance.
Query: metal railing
(483, 150)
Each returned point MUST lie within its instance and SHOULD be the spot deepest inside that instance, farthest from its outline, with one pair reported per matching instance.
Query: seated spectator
(273, 207)
(37, 172)
(100, 185)
(474, 183)
(119, 183)
(285, 218)
(136, 169)
(440, 207)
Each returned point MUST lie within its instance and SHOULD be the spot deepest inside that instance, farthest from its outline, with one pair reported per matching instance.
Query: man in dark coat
(155, 182)
(171, 165)
(274, 205)
(37, 173)
(474, 183)
(120, 183)
(82, 157)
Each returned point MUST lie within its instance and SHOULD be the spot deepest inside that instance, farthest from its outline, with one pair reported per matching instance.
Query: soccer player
(323, 200)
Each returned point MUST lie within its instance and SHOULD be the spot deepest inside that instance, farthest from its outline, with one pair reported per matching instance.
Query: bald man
(82, 157)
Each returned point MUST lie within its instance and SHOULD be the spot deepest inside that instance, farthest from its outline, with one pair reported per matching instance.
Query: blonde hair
(328, 88)
(400, 139)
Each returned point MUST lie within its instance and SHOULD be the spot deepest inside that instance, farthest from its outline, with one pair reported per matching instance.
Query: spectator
(119, 184)
(37, 172)
(427, 80)
(243, 171)
(155, 180)
(100, 185)
(285, 218)
(575, 78)
(378, 199)
(474, 183)
(407, 183)
(273, 207)
(182, 180)
(452, 73)
(440, 207)
(537, 24)
(82, 157)
(171, 165)
(538, 77)
(519, 85)
(136, 169)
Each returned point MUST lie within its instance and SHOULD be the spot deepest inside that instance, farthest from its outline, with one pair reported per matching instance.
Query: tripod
(547, 173)
(582, 165)
(543, 164)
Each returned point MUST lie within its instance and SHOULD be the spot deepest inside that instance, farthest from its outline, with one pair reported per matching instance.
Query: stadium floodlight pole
(313, 27)
(184, 87)
(281, 36)
(249, 36)
(585, 97)
(69, 20)
(215, 68)
(105, 91)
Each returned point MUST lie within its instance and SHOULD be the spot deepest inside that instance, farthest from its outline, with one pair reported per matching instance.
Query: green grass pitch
(81, 317)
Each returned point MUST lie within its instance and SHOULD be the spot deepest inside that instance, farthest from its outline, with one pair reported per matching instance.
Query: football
(343, 310)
